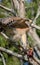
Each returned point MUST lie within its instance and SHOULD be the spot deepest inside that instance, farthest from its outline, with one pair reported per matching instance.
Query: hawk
(19, 28)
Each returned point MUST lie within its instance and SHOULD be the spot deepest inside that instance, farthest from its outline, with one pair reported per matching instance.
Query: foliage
(38, 23)
(11, 60)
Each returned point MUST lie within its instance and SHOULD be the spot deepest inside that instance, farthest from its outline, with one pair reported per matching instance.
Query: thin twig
(37, 51)
(5, 36)
(37, 15)
(35, 26)
(36, 59)
(2, 58)
(10, 52)
(7, 9)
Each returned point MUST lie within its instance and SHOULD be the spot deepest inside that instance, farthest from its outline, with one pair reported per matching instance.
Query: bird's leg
(24, 40)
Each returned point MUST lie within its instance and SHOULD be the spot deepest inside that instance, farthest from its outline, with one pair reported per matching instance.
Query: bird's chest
(21, 31)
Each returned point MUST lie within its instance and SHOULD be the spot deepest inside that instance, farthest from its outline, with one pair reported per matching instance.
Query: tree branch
(33, 62)
(13, 53)
(35, 37)
(16, 45)
(13, 8)
(36, 59)
(5, 36)
(12, 4)
(16, 4)
(37, 51)
(35, 26)
(37, 15)
(10, 52)
(33, 30)
(2, 58)
(7, 9)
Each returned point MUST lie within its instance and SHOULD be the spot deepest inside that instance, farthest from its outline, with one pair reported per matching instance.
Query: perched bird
(19, 28)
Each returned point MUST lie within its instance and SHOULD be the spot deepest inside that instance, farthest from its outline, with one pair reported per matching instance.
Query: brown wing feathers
(16, 22)
(12, 19)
